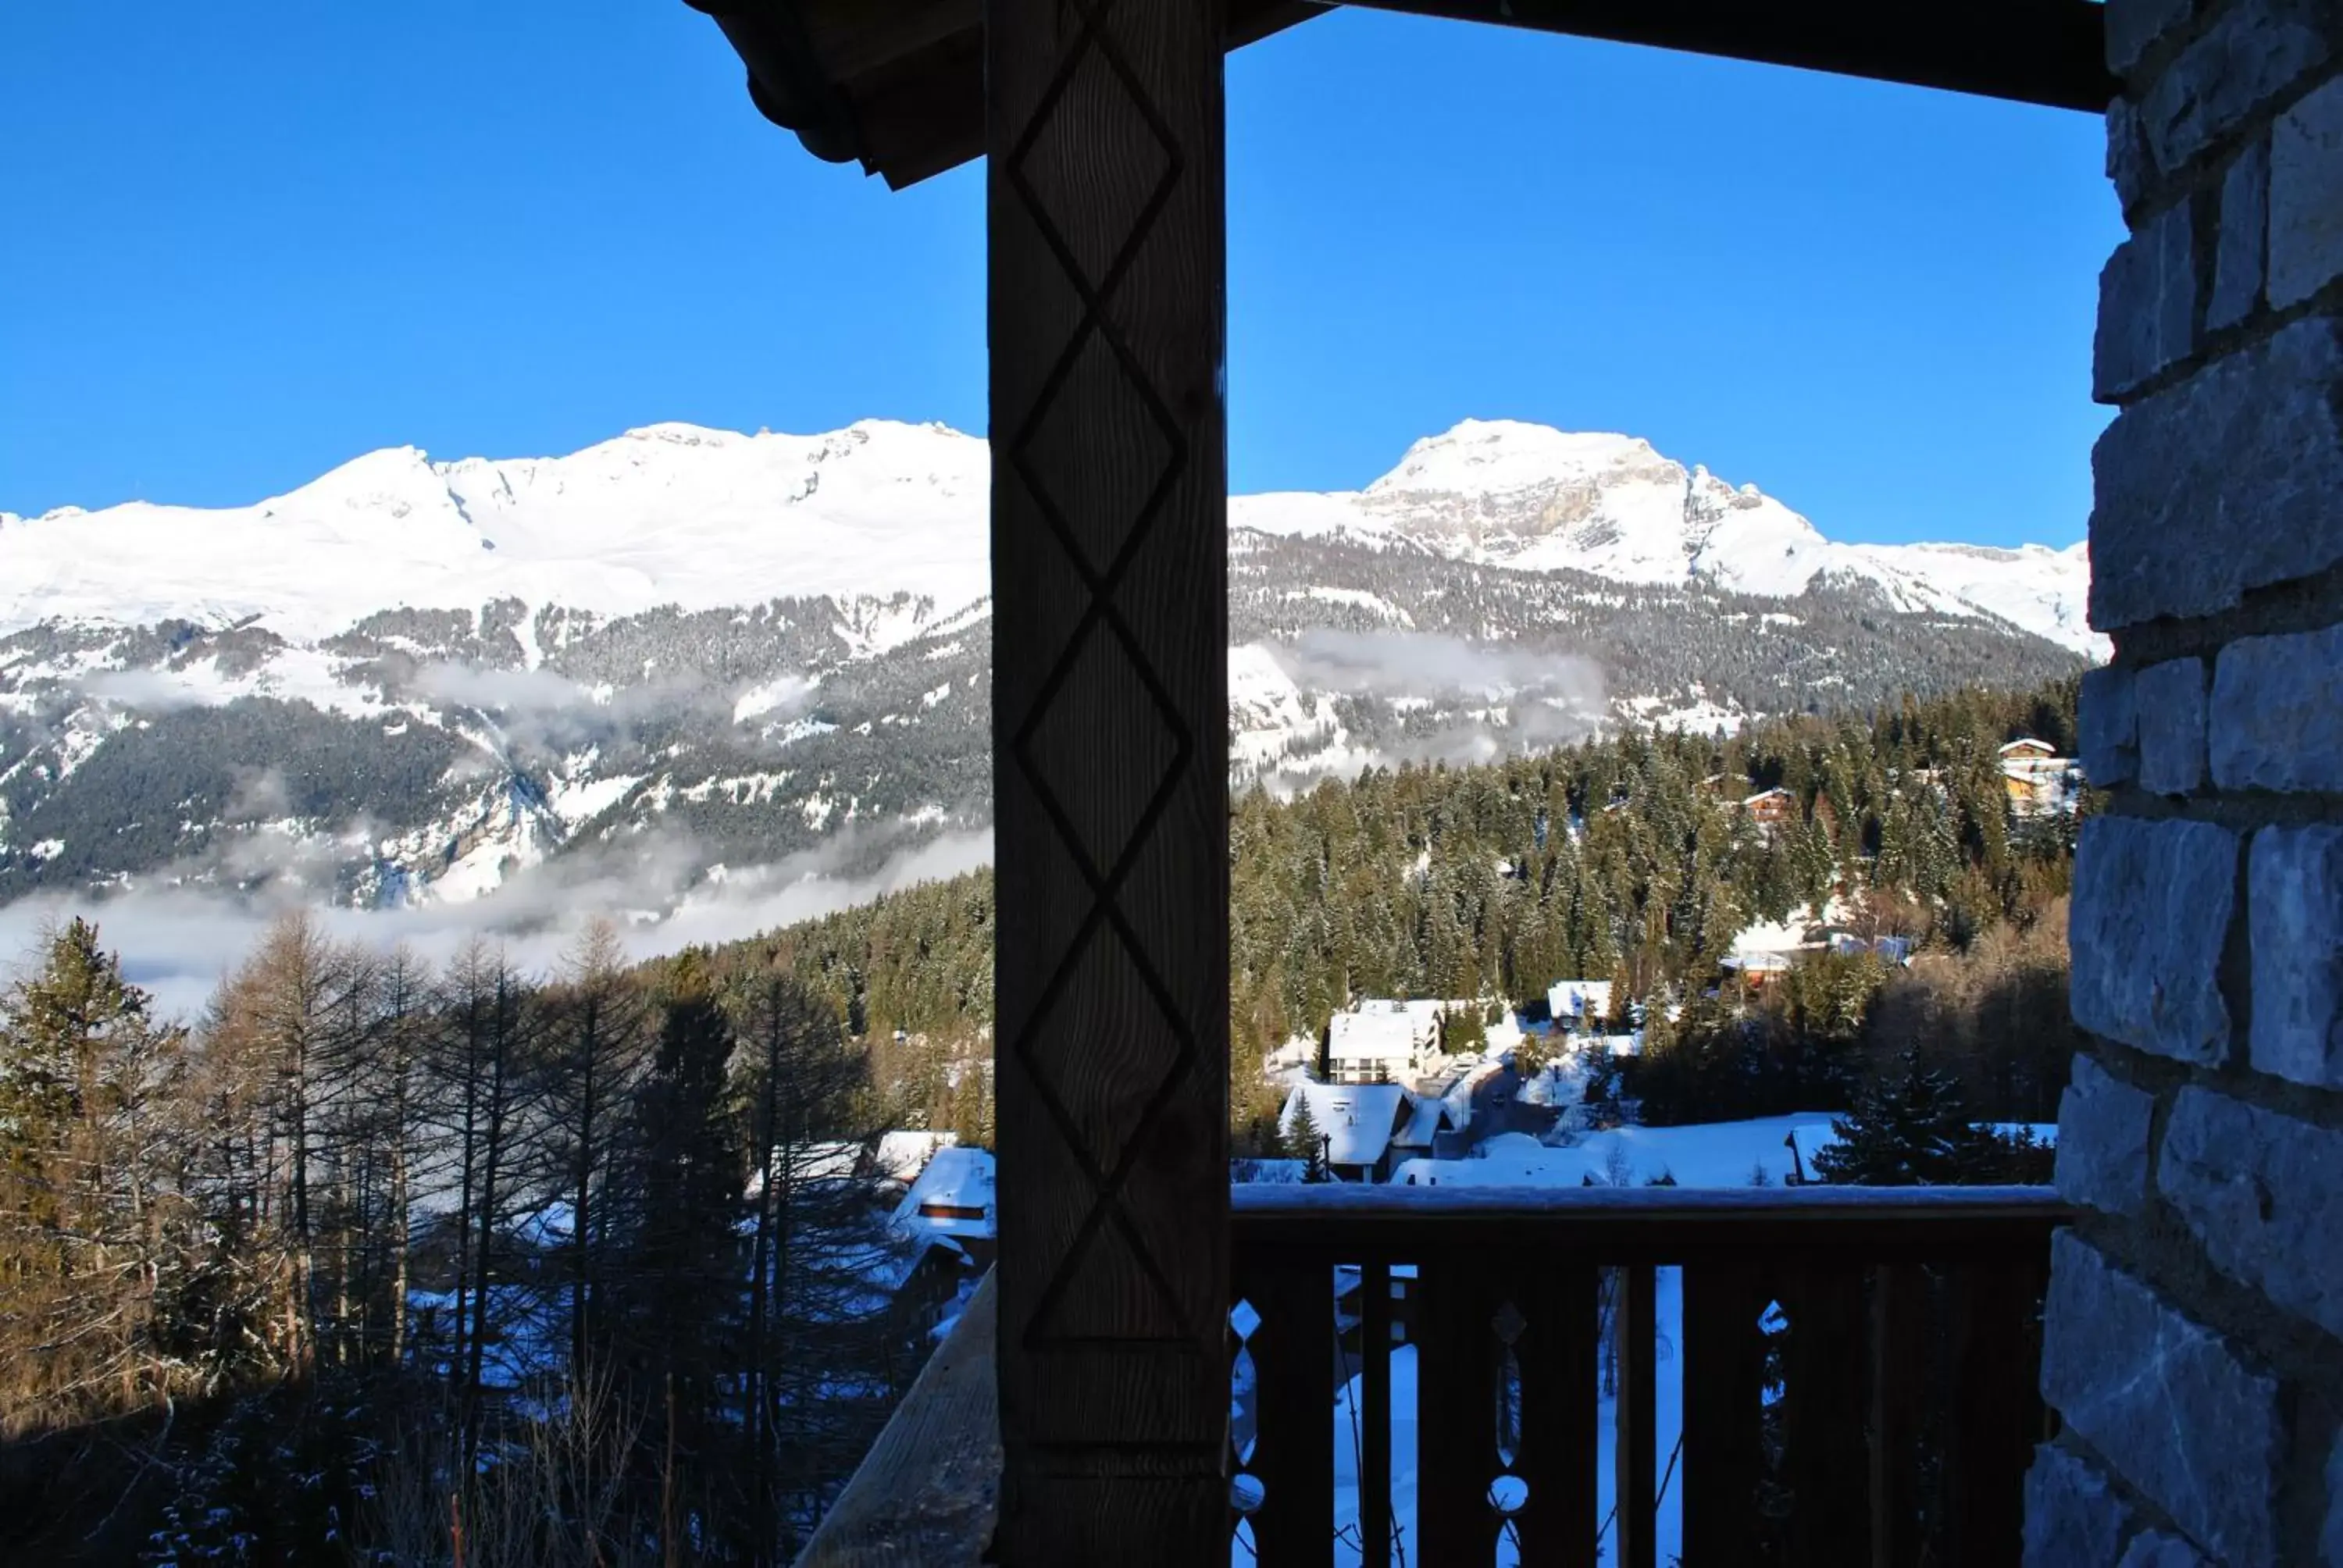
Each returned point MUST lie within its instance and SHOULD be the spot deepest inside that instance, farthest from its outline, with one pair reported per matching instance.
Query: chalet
(2037, 779)
(1579, 1004)
(1356, 1120)
(1771, 808)
(952, 1201)
(1432, 1121)
(1758, 967)
(1895, 949)
(1382, 1041)
(1081, 1411)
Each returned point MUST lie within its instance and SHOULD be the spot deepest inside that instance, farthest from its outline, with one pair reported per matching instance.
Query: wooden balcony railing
(1815, 1375)
(1812, 1375)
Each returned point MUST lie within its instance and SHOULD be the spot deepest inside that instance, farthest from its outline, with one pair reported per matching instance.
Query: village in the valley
(1464, 1091)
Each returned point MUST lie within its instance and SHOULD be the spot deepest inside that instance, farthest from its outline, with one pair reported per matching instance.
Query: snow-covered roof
(1356, 1118)
(1712, 1154)
(956, 1179)
(2027, 743)
(1394, 1030)
(1809, 1139)
(1427, 1115)
(1579, 998)
(900, 1156)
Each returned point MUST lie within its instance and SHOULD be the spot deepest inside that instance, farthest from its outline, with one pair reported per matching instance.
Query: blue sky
(244, 244)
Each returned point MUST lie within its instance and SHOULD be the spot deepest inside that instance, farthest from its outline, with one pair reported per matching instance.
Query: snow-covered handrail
(928, 1493)
(1649, 1224)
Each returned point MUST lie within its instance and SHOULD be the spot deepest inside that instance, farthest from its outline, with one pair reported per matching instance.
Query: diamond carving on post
(1096, 508)
(1116, 718)
(1123, 728)
(1085, 117)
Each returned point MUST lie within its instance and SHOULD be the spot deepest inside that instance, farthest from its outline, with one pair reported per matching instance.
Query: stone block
(2150, 914)
(2171, 702)
(2251, 55)
(2277, 711)
(2072, 1513)
(2135, 27)
(2160, 1549)
(2305, 197)
(2243, 234)
(2294, 914)
(2103, 1124)
(2264, 1193)
(2330, 1531)
(2224, 482)
(2130, 166)
(2147, 304)
(2108, 722)
(2170, 1405)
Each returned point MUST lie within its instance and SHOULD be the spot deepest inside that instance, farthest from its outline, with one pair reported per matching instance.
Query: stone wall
(2194, 1340)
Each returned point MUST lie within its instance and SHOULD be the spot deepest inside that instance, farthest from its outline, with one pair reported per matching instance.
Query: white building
(1585, 1002)
(1382, 1041)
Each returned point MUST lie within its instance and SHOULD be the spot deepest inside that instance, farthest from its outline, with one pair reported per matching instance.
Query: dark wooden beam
(1107, 321)
(851, 37)
(2049, 51)
(912, 76)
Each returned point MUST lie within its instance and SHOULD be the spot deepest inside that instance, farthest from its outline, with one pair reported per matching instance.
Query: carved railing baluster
(1293, 1352)
(1634, 1466)
(1899, 1348)
(1995, 1419)
(1375, 1415)
(1828, 1471)
(1457, 1362)
(1558, 1353)
(1724, 1381)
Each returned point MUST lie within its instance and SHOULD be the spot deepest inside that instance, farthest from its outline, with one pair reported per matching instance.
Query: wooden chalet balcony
(1853, 1381)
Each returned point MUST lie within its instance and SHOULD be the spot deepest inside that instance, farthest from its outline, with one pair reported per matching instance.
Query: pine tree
(1910, 1127)
(95, 1240)
(597, 1059)
(1305, 1142)
(676, 1271)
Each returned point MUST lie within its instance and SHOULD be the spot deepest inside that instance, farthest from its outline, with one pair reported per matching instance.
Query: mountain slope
(1522, 496)
(688, 659)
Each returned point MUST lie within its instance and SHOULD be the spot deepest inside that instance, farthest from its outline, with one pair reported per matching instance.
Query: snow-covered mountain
(1539, 500)
(684, 657)
(702, 519)
(669, 515)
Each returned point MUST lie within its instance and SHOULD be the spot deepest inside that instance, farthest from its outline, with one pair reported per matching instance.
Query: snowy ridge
(1535, 498)
(670, 514)
(678, 515)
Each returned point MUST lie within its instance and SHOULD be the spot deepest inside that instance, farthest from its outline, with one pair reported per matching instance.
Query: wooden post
(1106, 221)
(1636, 1415)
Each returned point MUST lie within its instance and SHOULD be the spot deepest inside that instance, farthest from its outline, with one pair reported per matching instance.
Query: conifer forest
(384, 1262)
